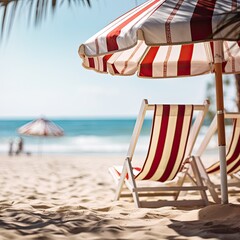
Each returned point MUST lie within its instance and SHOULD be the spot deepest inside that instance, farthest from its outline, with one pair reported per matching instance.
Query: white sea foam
(91, 144)
(79, 144)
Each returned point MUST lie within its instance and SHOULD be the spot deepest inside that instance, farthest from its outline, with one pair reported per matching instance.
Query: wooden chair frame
(204, 175)
(131, 183)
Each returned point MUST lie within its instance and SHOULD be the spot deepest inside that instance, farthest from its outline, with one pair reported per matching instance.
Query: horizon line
(70, 117)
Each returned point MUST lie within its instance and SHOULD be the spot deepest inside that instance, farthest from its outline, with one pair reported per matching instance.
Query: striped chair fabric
(169, 135)
(170, 130)
(233, 154)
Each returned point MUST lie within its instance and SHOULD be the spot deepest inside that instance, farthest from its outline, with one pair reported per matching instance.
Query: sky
(41, 73)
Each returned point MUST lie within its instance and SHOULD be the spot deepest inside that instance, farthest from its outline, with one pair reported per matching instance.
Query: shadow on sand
(215, 221)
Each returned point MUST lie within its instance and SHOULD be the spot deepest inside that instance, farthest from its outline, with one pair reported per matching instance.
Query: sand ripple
(71, 198)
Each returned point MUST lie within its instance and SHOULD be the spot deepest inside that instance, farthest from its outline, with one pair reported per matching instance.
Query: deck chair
(171, 142)
(232, 157)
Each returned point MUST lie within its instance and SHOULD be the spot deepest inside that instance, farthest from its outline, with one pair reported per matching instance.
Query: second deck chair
(232, 157)
(171, 142)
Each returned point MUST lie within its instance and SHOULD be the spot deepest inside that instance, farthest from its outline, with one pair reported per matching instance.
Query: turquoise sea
(81, 136)
(84, 136)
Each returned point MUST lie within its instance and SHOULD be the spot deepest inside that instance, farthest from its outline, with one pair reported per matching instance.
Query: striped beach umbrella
(41, 127)
(172, 38)
(165, 61)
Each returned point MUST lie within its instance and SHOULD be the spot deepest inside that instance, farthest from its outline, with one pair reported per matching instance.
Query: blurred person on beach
(20, 144)
(10, 150)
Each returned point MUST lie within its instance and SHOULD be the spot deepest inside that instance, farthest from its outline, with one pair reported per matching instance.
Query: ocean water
(91, 136)
(82, 136)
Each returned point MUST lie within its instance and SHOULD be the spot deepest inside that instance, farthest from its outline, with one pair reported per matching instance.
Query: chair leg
(181, 184)
(236, 176)
(207, 181)
(212, 190)
(199, 179)
(133, 183)
(121, 181)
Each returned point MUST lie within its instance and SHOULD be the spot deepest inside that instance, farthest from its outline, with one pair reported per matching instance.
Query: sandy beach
(64, 124)
(70, 197)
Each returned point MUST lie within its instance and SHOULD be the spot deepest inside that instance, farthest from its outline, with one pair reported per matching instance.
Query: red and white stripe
(168, 141)
(164, 22)
(233, 155)
(41, 127)
(166, 61)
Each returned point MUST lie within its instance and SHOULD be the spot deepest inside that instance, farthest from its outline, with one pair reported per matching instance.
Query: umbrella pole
(218, 56)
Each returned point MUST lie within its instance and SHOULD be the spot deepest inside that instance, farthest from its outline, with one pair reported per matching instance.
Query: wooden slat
(137, 129)
(195, 107)
(232, 115)
(179, 203)
(196, 128)
(211, 130)
(172, 188)
(149, 194)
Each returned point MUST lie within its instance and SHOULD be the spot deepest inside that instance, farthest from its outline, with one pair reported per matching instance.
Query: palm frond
(36, 10)
(229, 22)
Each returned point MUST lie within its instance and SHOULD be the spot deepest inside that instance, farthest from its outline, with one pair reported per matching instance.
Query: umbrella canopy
(166, 61)
(169, 22)
(41, 127)
(165, 22)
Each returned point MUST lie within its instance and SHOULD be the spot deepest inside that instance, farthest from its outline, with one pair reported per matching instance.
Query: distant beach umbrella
(142, 40)
(41, 127)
